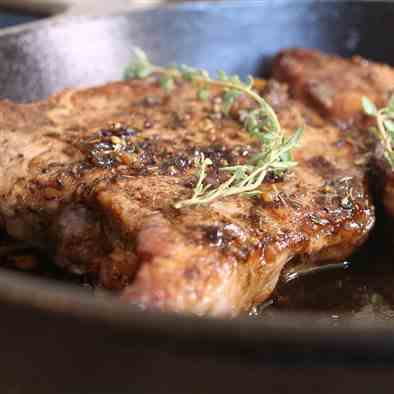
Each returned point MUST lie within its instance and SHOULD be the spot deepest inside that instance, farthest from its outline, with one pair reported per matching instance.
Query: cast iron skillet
(61, 339)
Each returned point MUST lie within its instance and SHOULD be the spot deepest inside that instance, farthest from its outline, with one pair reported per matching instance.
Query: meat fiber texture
(91, 177)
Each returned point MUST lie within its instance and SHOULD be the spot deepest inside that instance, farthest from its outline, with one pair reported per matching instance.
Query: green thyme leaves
(141, 67)
(245, 179)
(167, 83)
(369, 107)
(200, 189)
(262, 123)
(203, 94)
(384, 129)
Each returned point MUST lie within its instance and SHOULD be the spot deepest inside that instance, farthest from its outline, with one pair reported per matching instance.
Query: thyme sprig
(244, 179)
(261, 122)
(384, 129)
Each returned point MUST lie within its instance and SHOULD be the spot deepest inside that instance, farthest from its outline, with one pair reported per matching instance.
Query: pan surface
(61, 339)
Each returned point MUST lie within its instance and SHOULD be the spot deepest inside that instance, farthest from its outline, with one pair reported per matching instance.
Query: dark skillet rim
(291, 337)
(60, 17)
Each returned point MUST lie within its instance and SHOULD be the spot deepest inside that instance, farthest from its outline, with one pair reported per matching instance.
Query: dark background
(8, 18)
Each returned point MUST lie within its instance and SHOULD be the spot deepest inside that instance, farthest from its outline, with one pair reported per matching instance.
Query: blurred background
(14, 12)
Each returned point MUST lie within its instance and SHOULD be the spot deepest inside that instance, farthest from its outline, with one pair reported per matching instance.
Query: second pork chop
(335, 87)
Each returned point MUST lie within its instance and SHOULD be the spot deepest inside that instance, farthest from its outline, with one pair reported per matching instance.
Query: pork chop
(91, 177)
(335, 87)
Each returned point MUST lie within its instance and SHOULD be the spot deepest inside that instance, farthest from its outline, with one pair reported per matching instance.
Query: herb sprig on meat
(384, 129)
(262, 123)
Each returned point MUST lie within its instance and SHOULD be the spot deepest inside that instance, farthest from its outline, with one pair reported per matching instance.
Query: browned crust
(335, 87)
(112, 217)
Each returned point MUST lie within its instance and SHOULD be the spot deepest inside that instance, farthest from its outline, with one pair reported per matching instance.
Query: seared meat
(91, 177)
(332, 84)
(335, 86)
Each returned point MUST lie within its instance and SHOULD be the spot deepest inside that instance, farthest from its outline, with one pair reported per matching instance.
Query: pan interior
(237, 38)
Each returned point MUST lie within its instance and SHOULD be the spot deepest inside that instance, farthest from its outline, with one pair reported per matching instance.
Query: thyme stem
(247, 89)
(261, 122)
(384, 129)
